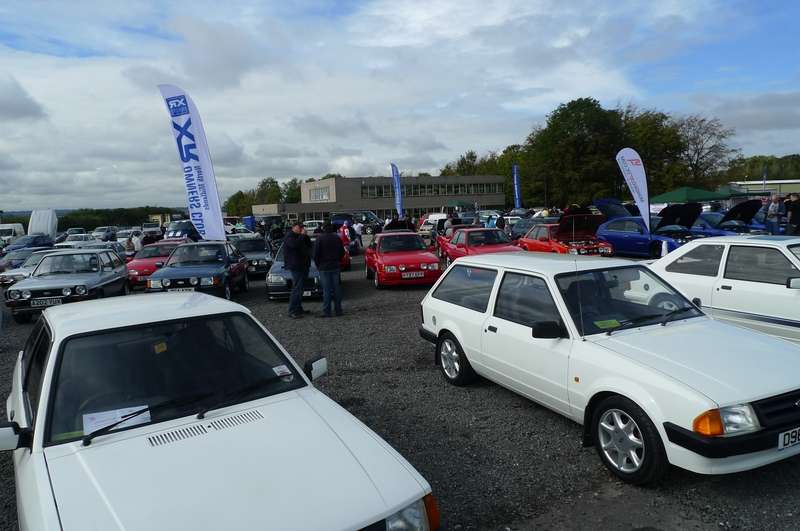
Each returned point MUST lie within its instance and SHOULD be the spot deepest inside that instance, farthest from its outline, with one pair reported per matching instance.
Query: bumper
(427, 335)
(395, 279)
(725, 455)
(217, 290)
(258, 269)
(140, 280)
(280, 291)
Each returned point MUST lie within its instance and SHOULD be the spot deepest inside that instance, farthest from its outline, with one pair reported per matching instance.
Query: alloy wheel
(449, 358)
(621, 441)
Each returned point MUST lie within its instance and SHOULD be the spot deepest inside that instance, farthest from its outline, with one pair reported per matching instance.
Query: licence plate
(52, 301)
(788, 438)
(413, 274)
(181, 289)
(251, 268)
(307, 293)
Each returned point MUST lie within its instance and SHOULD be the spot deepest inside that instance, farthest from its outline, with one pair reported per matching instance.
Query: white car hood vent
(180, 434)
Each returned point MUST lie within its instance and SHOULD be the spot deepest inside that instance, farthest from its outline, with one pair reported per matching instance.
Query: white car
(752, 281)
(651, 386)
(313, 224)
(181, 411)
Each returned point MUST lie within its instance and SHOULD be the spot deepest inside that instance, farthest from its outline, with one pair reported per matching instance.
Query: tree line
(267, 191)
(571, 158)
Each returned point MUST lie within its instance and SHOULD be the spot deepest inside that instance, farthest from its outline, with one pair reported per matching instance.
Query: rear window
(466, 286)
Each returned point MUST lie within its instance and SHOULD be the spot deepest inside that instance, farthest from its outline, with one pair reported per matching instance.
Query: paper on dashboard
(101, 419)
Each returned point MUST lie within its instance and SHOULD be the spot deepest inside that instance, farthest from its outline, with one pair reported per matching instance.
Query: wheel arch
(636, 394)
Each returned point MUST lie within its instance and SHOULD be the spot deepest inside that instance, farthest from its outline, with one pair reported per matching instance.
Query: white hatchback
(752, 281)
(590, 339)
(181, 411)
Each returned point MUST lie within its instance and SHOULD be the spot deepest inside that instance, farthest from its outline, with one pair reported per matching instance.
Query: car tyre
(628, 442)
(21, 318)
(368, 273)
(452, 361)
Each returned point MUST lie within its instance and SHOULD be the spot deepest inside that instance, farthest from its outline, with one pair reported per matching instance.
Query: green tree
(239, 203)
(290, 190)
(706, 151)
(268, 191)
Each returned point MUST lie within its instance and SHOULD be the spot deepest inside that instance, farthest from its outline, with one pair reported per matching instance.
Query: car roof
(477, 229)
(81, 250)
(117, 312)
(780, 241)
(544, 263)
(396, 233)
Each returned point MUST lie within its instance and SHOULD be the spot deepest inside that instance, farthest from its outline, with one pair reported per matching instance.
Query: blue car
(629, 235)
(213, 267)
(737, 220)
(15, 259)
(32, 240)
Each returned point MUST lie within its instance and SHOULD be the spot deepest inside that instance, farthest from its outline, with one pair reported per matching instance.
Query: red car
(571, 235)
(400, 258)
(443, 238)
(144, 261)
(470, 242)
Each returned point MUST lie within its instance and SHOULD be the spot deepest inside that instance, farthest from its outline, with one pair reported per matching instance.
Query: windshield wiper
(172, 402)
(234, 396)
(632, 322)
(668, 316)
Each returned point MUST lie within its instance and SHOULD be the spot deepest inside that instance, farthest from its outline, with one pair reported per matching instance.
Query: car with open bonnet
(574, 234)
(180, 411)
(651, 384)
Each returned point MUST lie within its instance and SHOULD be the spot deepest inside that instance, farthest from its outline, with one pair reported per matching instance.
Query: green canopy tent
(687, 194)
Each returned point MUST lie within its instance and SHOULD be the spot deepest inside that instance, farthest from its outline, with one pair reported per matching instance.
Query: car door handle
(492, 329)
(727, 287)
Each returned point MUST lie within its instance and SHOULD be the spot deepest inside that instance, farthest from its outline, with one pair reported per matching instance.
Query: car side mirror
(159, 265)
(316, 367)
(793, 283)
(547, 330)
(12, 436)
(697, 302)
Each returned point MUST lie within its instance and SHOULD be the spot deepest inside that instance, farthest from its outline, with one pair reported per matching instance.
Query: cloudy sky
(307, 87)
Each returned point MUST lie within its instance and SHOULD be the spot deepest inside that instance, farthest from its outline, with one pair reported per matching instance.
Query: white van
(43, 222)
(10, 232)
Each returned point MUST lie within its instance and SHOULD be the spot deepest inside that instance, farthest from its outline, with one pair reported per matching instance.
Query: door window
(616, 226)
(524, 300)
(631, 226)
(458, 238)
(703, 260)
(105, 259)
(35, 371)
(116, 260)
(469, 287)
(541, 234)
(759, 264)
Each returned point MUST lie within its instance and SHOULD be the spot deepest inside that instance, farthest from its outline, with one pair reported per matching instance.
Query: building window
(320, 194)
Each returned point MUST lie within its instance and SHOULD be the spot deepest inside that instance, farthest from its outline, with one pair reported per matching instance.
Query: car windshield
(155, 251)
(522, 226)
(63, 264)
(191, 364)
(20, 254)
(487, 237)
(150, 225)
(248, 245)
(34, 259)
(713, 218)
(179, 226)
(101, 229)
(401, 242)
(76, 238)
(123, 234)
(605, 300)
(196, 254)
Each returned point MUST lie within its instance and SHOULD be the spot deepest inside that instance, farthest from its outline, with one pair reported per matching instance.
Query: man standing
(297, 259)
(328, 252)
(774, 213)
(359, 228)
(793, 213)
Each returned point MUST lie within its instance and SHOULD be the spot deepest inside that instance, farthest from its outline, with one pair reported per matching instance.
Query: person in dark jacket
(297, 259)
(328, 253)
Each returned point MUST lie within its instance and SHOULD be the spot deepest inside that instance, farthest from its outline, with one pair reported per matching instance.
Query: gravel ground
(494, 459)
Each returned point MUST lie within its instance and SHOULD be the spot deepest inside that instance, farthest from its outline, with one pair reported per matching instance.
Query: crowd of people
(778, 210)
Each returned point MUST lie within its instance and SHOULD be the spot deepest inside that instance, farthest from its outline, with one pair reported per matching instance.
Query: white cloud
(286, 93)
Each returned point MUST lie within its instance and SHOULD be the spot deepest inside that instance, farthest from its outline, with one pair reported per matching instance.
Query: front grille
(779, 410)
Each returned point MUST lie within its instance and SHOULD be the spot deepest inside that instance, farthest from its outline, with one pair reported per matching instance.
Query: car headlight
(194, 281)
(433, 267)
(415, 516)
(423, 266)
(13, 294)
(165, 282)
(253, 262)
(80, 290)
(573, 251)
(390, 269)
(262, 262)
(207, 281)
(402, 268)
(66, 292)
(729, 420)
(275, 279)
(133, 272)
(26, 294)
